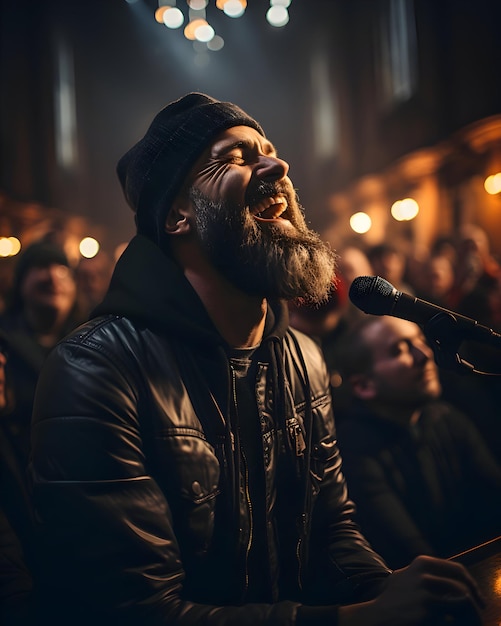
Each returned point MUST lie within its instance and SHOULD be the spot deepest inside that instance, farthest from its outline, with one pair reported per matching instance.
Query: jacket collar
(150, 288)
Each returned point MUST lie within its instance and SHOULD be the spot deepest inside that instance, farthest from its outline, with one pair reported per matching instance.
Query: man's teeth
(271, 207)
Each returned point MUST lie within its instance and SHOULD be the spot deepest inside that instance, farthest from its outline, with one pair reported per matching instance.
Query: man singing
(184, 456)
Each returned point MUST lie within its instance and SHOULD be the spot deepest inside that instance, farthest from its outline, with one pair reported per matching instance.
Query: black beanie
(41, 253)
(153, 171)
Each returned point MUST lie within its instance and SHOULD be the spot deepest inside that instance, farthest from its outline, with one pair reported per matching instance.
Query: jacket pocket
(190, 476)
(324, 459)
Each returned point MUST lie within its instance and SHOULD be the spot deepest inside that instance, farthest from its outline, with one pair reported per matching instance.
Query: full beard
(294, 264)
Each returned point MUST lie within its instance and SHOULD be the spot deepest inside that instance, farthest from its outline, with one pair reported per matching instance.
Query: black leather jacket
(140, 484)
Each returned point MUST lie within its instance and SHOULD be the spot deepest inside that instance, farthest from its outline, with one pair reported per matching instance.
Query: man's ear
(363, 386)
(179, 218)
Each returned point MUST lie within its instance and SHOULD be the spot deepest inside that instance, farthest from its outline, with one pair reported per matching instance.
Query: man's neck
(239, 317)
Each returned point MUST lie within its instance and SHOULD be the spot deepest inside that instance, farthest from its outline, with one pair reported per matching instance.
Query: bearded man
(184, 457)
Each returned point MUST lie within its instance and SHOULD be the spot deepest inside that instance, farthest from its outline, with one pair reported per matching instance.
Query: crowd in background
(460, 274)
(49, 297)
(421, 445)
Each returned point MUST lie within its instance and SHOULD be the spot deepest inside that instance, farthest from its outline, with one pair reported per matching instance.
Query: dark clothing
(16, 520)
(141, 477)
(25, 359)
(16, 539)
(16, 584)
(430, 488)
(478, 397)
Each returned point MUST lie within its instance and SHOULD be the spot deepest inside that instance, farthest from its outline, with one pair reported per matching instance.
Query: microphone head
(373, 294)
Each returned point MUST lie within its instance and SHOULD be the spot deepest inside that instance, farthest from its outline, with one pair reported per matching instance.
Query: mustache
(262, 189)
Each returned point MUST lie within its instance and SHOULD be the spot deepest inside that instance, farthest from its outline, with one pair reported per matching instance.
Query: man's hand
(429, 592)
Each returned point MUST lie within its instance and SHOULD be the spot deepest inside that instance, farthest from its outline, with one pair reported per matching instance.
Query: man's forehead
(240, 134)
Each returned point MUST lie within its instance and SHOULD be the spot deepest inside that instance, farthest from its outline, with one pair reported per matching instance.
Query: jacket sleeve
(343, 567)
(108, 551)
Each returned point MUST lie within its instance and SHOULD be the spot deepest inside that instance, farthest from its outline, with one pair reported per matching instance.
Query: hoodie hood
(150, 288)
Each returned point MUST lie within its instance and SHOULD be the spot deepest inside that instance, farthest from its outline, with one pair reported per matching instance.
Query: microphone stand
(445, 335)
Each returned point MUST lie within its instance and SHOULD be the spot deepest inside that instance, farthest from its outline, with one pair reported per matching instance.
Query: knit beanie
(153, 171)
(41, 253)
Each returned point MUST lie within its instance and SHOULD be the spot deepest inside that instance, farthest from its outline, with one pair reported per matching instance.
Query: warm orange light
(191, 27)
(492, 184)
(89, 247)
(404, 210)
(15, 246)
(204, 33)
(9, 246)
(159, 14)
(360, 222)
(235, 8)
(173, 17)
(5, 247)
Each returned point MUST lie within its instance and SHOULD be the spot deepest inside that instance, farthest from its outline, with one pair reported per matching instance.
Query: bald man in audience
(419, 472)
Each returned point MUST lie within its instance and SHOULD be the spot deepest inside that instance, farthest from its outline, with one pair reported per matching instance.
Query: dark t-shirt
(243, 364)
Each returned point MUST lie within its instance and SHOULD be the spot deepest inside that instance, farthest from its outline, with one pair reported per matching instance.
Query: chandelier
(198, 29)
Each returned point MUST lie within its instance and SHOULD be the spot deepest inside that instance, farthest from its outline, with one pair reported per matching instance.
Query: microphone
(376, 296)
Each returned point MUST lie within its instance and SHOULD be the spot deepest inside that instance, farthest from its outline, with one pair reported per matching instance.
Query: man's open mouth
(270, 208)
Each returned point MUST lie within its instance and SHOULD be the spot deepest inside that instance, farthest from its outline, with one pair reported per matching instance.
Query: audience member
(419, 472)
(476, 274)
(445, 245)
(353, 262)
(438, 280)
(390, 263)
(477, 283)
(184, 457)
(325, 323)
(41, 310)
(16, 527)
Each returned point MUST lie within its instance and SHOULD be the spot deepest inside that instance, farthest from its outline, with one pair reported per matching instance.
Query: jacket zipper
(251, 525)
(238, 450)
(302, 527)
(296, 435)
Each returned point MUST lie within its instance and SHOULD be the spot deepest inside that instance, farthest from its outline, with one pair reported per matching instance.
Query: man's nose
(271, 168)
